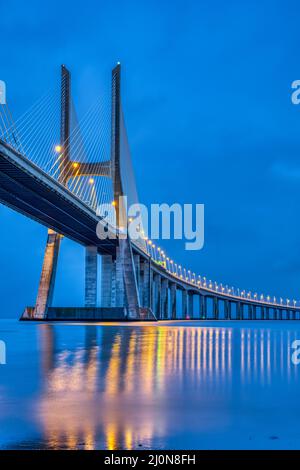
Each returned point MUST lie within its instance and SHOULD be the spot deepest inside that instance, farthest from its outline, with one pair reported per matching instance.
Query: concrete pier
(47, 280)
(184, 303)
(190, 304)
(173, 301)
(164, 299)
(91, 276)
(107, 268)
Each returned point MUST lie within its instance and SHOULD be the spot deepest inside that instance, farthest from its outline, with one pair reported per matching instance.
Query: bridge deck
(27, 189)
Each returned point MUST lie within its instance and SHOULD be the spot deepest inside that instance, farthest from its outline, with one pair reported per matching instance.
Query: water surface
(201, 385)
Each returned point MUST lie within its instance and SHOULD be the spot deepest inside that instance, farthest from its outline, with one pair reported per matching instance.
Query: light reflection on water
(195, 385)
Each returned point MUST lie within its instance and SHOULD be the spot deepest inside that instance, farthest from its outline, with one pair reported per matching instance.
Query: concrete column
(267, 313)
(254, 312)
(238, 310)
(190, 304)
(242, 311)
(227, 308)
(250, 313)
(164, 298)
(91, 273)
(262, 313)
(157, 301)
(173, 300)
(184, 304)
(202, 306)
(137, 265)
(197, 307)
(146, 279)
(120, 288)
(215, 308)
(107, 281)
(152, 291)
(47, 280)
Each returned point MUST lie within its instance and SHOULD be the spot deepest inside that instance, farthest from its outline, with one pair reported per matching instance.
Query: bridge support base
(91, 270)
(47, 281)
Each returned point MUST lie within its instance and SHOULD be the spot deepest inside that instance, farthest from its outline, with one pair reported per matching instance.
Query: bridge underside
(28, 190)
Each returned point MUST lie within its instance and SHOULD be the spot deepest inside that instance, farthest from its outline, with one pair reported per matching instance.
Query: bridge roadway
(192, 288)
(29, 190)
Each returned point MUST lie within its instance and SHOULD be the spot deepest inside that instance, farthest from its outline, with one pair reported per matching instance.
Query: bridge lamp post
(149, 247)
(255, 296)
(172, 266)
(294, 302)
(204, 283)
(281, 300)
(210, 284)
(287, 302)
(152, 250)
(268, 298)
(176, 269)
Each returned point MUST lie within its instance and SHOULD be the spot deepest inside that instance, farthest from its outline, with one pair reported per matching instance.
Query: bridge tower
(48, 274)
(119, 287)
(67, 171)
(119, 274)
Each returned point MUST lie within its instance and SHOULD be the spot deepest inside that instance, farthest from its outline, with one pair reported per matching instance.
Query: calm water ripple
(201, 385)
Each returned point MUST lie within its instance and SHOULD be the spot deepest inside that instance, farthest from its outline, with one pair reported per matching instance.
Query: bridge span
(135, 284)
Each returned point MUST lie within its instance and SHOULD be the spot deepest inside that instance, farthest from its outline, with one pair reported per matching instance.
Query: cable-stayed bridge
(58, 171)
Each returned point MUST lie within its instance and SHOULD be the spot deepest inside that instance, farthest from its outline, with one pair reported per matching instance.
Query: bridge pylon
(119, 284)
(126, 292)
(48, 274)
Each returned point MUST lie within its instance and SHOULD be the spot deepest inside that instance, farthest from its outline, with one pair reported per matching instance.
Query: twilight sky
(206, 93)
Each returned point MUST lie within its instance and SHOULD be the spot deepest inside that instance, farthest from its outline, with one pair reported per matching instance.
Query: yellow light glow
(114, 203)
(91, 181)
(58, 148)
(75, 165)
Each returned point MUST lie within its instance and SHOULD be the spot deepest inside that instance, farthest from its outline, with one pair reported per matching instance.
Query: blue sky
(206, 92)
